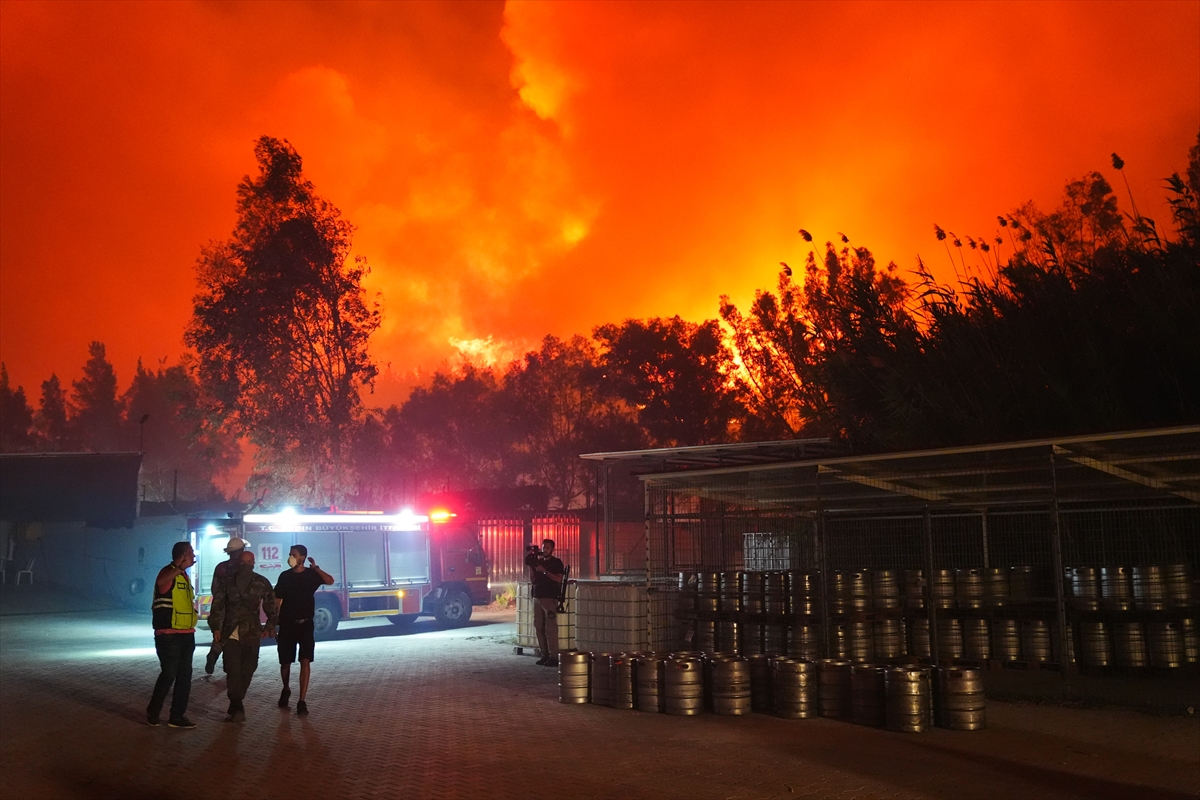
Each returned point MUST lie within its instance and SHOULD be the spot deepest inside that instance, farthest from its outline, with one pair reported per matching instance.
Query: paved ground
(446, 714)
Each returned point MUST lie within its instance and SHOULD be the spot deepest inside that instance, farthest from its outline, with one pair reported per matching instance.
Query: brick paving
(454, 714)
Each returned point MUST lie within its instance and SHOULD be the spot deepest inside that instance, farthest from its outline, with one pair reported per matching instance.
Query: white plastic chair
(27, 571)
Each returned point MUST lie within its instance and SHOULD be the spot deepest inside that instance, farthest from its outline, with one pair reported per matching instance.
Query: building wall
(115, 567)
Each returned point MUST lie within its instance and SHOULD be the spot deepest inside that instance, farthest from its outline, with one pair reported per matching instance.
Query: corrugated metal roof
(1134, 465)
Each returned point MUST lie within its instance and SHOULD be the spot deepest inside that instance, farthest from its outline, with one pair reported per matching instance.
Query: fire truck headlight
(400, 593)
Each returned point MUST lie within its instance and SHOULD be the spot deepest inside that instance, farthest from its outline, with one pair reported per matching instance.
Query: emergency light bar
(405, 519)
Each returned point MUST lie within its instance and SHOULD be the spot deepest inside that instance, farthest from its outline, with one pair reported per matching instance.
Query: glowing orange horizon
(544, 168)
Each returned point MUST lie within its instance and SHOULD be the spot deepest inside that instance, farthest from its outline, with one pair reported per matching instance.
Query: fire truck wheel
(403, 620)
(454, 609)
(325, 621)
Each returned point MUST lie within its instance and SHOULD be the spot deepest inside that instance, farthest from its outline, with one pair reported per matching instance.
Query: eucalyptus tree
(281, 325)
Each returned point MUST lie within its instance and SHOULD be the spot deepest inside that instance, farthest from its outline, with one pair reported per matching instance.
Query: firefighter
(173, 614)
(546, 576)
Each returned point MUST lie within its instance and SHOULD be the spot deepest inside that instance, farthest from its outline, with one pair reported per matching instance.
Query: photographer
(545, 576)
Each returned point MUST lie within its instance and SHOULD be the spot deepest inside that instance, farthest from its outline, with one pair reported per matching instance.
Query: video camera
(533, 555)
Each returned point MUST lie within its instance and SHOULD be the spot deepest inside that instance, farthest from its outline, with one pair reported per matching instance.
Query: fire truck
(400, 566)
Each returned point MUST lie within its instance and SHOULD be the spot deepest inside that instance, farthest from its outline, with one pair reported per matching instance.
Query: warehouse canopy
(1161, 464)
(97, 488)
(710, 456)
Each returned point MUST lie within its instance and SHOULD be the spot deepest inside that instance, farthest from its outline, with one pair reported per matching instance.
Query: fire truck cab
(399, 566)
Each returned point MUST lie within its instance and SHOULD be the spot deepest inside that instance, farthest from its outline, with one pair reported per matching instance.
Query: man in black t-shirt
(546, 576)
(296, 590)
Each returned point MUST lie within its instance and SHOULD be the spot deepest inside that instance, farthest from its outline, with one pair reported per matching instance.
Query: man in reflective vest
(173, 613)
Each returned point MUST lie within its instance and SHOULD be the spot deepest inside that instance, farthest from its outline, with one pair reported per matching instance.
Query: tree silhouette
(16, 417)
(450, 435)
(1092, 324)
(185, 449)
(823, 358)
(556, 410)
(96, 415)
(281, 326)
(673, 374)
(50, 422)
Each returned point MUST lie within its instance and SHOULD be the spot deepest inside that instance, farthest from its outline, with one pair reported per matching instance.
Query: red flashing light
(440, 515)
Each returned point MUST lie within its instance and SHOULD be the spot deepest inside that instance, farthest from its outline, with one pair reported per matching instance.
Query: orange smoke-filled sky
(531, 168)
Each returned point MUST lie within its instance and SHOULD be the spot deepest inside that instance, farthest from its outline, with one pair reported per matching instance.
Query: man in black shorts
(295, 591)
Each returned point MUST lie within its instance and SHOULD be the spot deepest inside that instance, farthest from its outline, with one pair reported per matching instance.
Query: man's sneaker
(182, 722)
(301, 707)
(550, 662)
(541, 662)
(283, 698)
(210, 663)
(152, 721)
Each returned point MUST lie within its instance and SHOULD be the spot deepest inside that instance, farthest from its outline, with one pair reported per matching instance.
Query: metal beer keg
(1006, 640)
(684, 684)
(620, 681)
(1149, 588)
(961, 703)
(889, 638)
(600, 680)
(834, 693)
(574, 676)
(648, 679)
(867, 703)
(909, 699)
(976, 641)
(731, 691)
(885, 589)
(794, 686)
(969, 585)
(1116, 588)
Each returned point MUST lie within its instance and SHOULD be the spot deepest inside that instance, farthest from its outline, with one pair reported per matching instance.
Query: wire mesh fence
(1034, 562)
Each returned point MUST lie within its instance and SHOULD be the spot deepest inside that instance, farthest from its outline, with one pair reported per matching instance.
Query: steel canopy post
(1060, 605)
(823, 567)
(930, 603)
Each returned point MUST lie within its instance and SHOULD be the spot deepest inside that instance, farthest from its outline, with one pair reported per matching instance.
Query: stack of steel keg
(999, 613)
(707, 604)
(1122, 615)
(690, 683)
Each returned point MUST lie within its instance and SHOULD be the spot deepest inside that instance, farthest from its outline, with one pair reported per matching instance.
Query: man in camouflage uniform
(237, 597)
